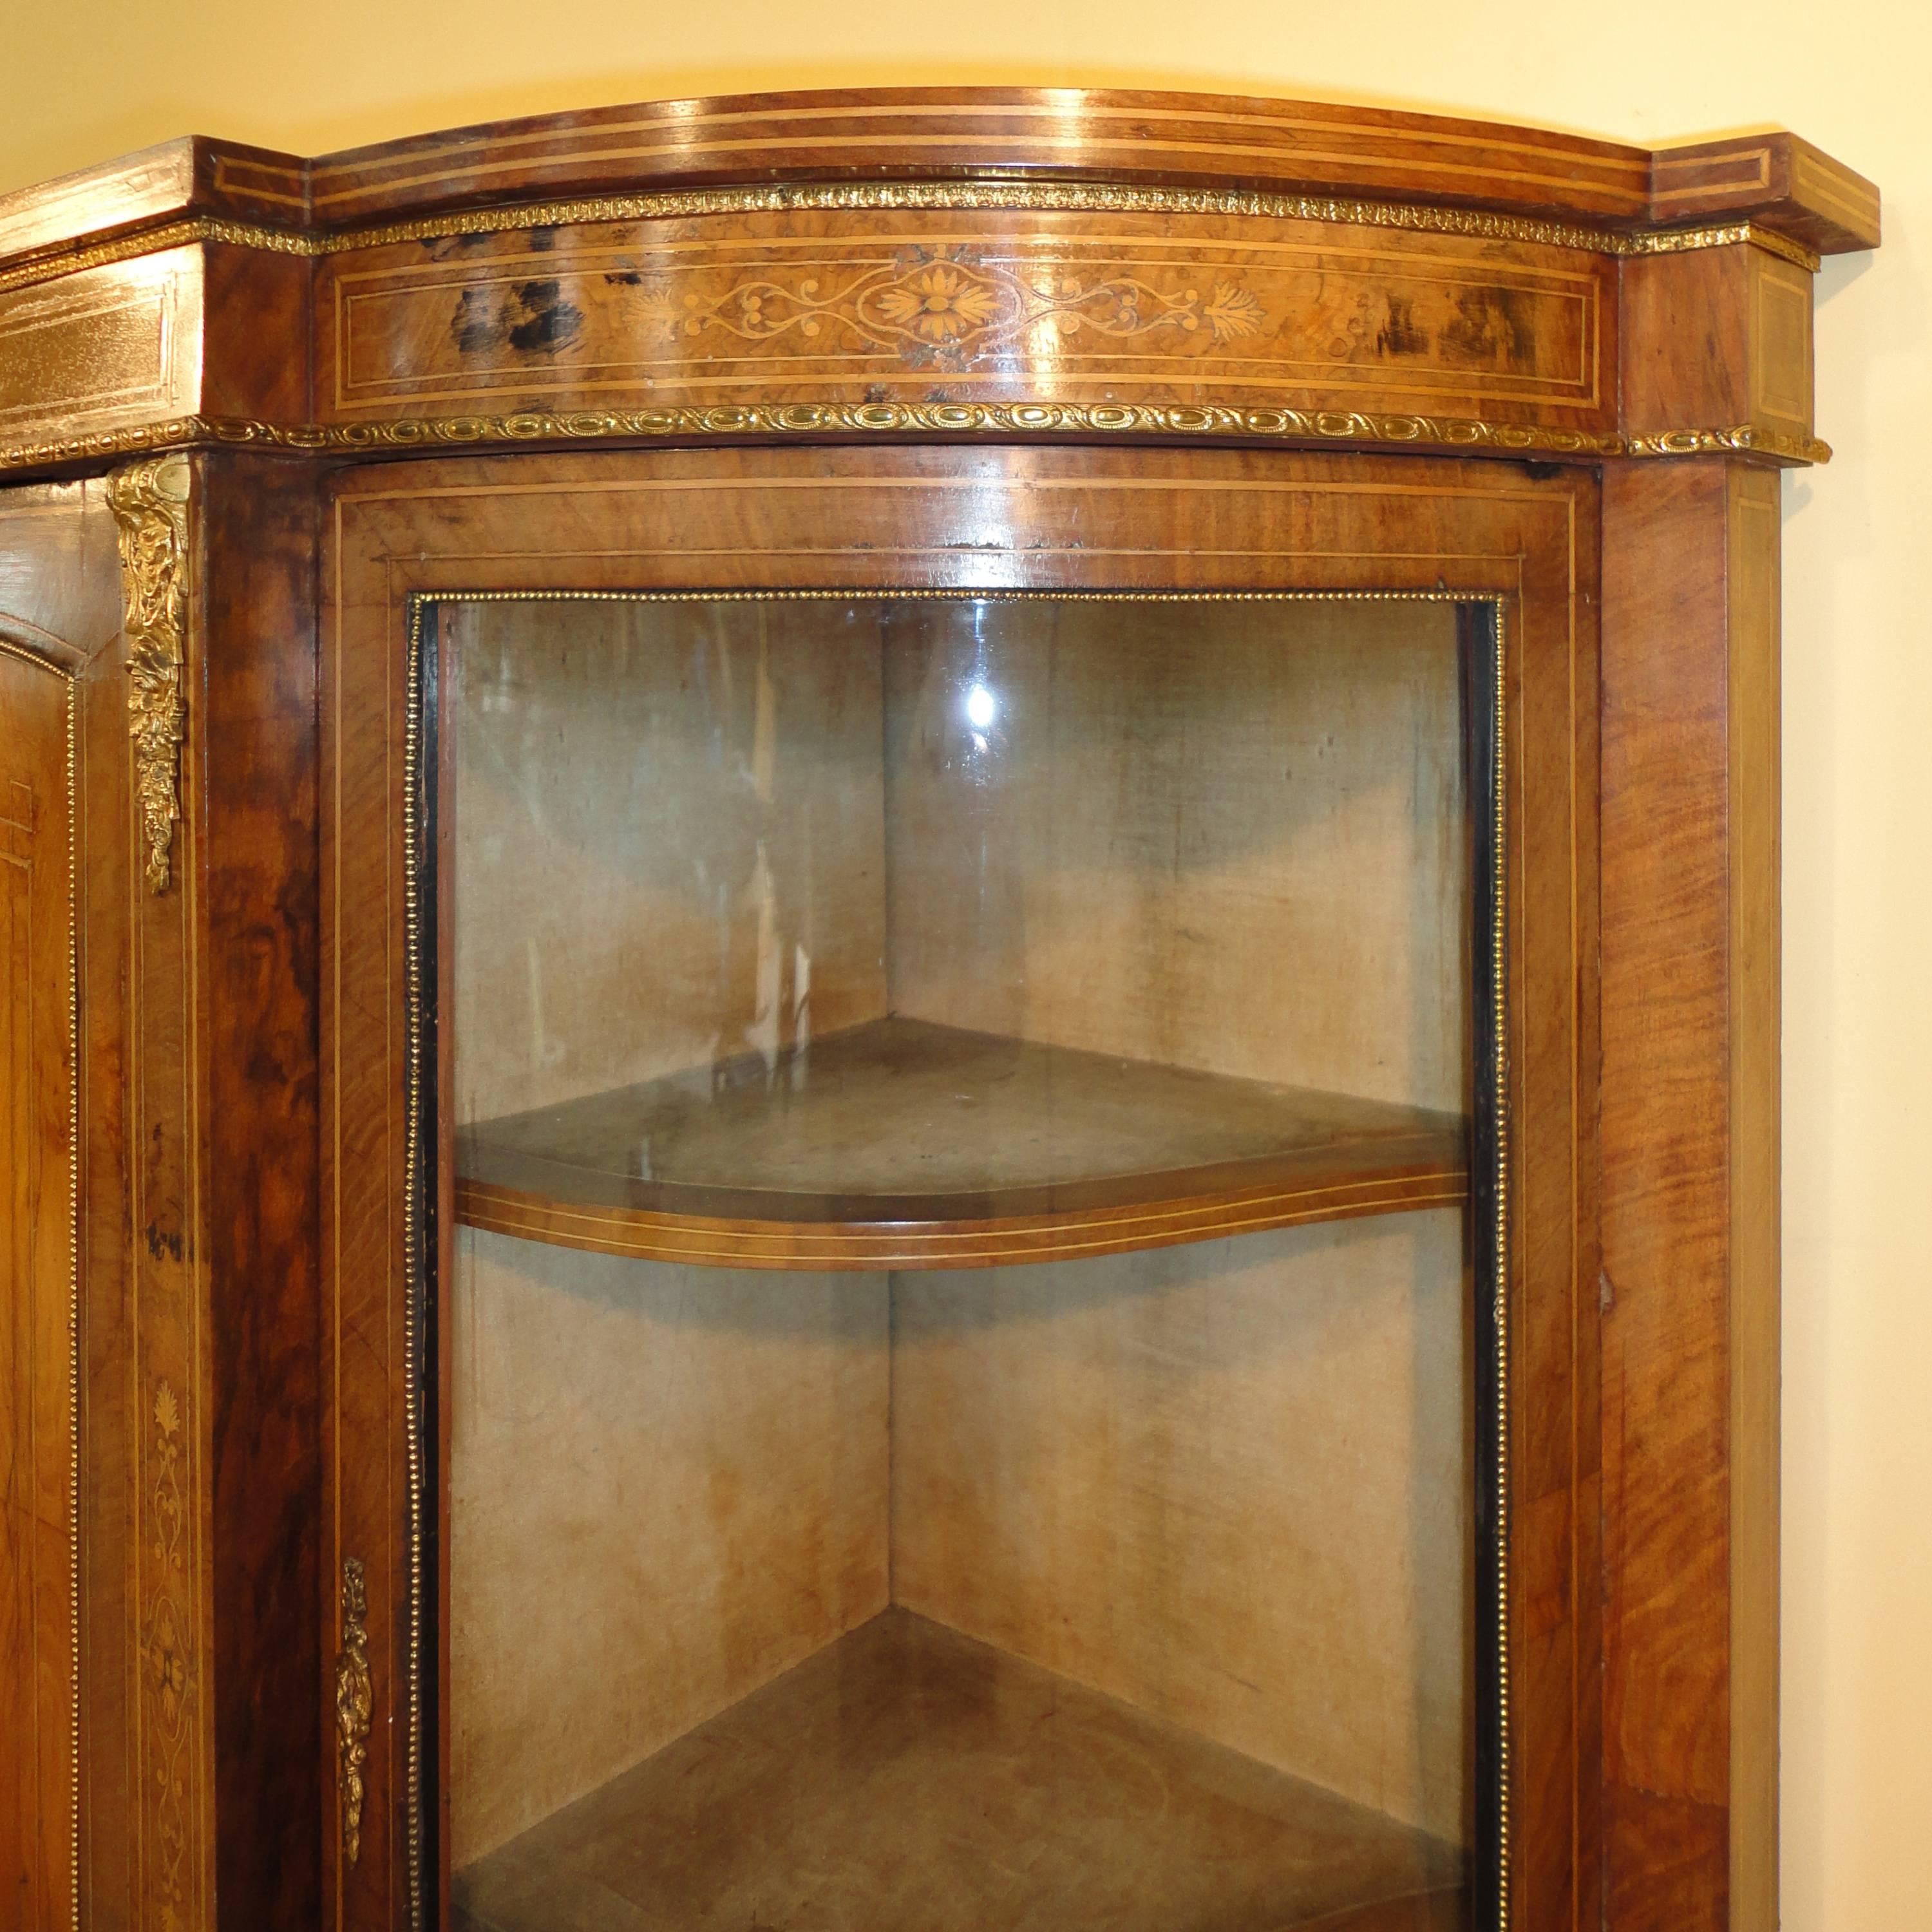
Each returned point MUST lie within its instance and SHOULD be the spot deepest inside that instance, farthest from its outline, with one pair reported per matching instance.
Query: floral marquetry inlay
(168, 1671)
(958, 304)
(907, 308)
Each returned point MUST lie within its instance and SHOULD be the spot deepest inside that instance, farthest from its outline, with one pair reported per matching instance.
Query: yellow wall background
(87, 79)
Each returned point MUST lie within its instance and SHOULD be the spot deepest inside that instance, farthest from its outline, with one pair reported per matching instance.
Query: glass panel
(961, 1403)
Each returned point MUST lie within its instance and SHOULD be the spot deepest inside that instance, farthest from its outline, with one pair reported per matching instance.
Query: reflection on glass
(961, 1396)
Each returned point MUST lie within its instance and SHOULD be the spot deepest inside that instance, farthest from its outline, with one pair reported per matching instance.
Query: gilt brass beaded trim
(418, 1092)
(782, 421)
(833, 197)
(1499, 1286)
(420, 757)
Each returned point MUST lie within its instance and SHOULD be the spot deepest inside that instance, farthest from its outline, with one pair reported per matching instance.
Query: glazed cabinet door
(958, 1263)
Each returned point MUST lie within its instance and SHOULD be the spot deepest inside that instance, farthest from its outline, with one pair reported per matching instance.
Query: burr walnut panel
(983, 305)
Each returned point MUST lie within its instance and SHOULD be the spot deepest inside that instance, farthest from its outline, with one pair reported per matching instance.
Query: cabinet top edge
(1135, 138)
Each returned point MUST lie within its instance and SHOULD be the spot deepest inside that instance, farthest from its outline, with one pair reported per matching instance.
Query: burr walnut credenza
(891, 1022)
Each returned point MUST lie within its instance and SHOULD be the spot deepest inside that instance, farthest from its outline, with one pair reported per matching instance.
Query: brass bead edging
(782, 421)
(1050, 197)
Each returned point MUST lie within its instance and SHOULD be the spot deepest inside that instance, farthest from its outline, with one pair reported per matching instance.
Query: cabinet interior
(1117, 1556)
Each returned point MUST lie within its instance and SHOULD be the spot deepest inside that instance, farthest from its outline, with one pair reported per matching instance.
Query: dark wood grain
(89, 576)
(240, 1088)
(1792, 185)
(1121, 135)
(257, 791)
(1427, 282)
(984, 306)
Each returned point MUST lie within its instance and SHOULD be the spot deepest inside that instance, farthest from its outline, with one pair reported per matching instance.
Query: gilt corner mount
(150, 500)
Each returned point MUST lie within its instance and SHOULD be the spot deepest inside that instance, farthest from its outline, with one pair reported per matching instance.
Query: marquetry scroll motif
(355, 1706)
(151, 505)
(954, 305)
(170, 1672)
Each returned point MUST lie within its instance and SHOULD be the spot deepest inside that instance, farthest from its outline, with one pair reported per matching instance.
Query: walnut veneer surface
(908, 1779)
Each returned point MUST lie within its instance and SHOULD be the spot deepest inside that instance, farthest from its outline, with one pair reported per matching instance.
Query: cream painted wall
(86, 79)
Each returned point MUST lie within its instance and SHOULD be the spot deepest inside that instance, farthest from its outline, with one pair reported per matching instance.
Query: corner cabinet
(891, 1022)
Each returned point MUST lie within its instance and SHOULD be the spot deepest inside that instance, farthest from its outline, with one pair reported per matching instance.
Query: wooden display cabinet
(893, 1021)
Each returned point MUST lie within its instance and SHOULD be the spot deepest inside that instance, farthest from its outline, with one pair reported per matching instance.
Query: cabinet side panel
(1669, 867)
(104, 349)
(1755, 1301)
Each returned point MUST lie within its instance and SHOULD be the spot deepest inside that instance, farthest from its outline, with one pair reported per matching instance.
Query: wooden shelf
(906, 1777)
(901, 1144)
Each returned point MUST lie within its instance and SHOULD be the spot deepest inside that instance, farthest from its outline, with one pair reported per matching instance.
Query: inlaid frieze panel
(100, 348)
(984, 305)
